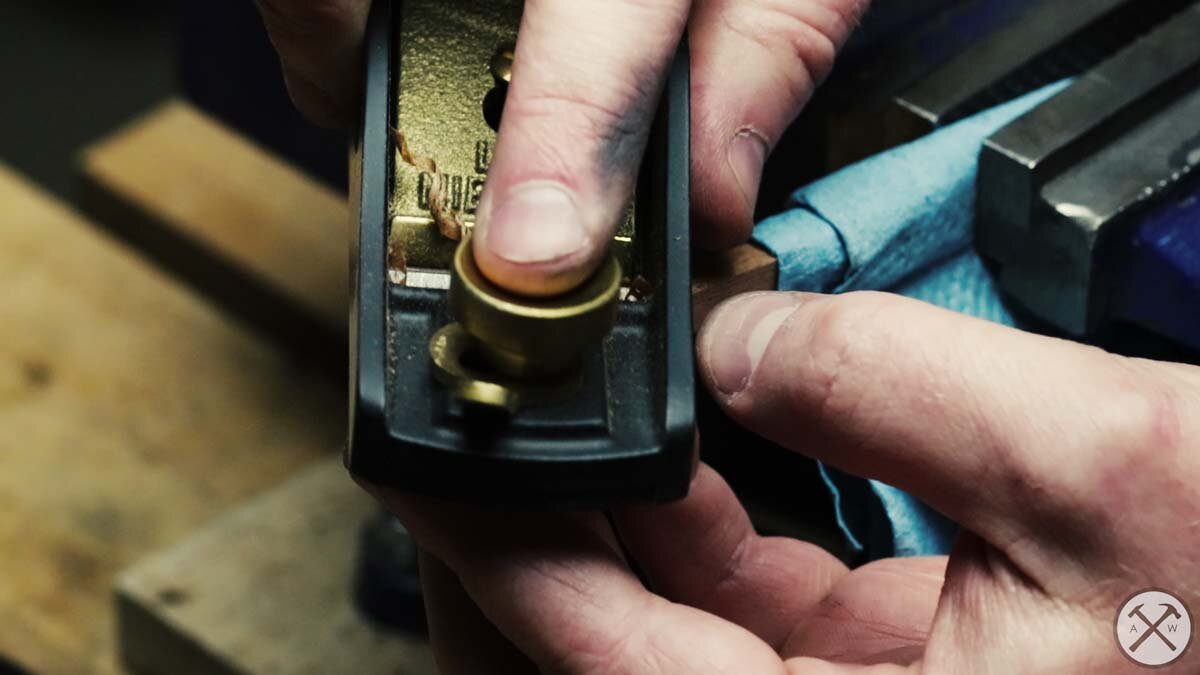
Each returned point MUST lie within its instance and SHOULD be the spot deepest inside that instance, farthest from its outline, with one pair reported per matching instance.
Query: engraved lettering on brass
(483, 156)
(462, 192)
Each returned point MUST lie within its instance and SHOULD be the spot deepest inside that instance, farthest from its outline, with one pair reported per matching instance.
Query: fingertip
(576, 121)
(735, 338)
(535, 241)
(537, 280)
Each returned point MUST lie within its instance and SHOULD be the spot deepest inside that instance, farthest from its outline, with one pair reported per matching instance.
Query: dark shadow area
(73, 70)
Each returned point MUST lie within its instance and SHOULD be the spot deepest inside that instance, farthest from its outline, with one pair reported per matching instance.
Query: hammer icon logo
(1154, 642)
(1170, 612)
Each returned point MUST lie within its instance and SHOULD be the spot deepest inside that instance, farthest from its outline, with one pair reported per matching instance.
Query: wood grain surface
(258, 235)
(265, 590)
(131, 412)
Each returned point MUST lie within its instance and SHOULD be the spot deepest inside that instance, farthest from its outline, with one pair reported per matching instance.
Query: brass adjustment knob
(511, 351)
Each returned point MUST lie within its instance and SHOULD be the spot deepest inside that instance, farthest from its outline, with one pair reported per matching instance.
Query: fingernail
(535, 223)
(738, 334)
(747, 153)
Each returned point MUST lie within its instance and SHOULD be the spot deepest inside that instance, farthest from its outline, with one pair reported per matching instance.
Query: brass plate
(443, 75)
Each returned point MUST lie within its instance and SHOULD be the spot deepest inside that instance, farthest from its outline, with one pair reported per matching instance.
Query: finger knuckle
(812, 32)
(1140, 424)
(1124, 445)
(575, 110)
(839, 343)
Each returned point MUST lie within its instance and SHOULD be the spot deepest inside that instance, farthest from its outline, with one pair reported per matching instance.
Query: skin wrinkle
(833, 330)
(729, 571)
(616, 648)
(819, 577)
(794, 24)
(661, 655)
(579, 639)
(800, 82)
(755, 596)
(1009, 466)
(733, 561)
(836, 614)
(840, 610)
(750, 130)
(1061, 542)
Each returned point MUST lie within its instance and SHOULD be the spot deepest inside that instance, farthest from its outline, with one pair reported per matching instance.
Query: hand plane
(458, 388)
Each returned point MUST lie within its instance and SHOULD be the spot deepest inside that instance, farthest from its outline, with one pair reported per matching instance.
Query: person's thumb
(1001, 430)
(586, 82)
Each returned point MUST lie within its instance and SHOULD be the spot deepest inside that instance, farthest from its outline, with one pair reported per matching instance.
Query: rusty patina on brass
(445, 69)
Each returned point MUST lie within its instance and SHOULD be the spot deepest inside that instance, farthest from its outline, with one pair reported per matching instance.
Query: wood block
(718, 276)
(268, 242)
(131, 411)
(264, 589)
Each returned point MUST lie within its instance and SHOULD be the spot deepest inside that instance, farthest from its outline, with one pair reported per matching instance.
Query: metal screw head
(502, 61)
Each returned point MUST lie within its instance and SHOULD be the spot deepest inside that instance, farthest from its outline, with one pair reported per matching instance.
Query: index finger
(586, 79)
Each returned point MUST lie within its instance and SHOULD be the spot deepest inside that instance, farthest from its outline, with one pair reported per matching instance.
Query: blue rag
(901, 221)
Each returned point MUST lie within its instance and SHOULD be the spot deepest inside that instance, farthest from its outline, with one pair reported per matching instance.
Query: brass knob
(511, 351)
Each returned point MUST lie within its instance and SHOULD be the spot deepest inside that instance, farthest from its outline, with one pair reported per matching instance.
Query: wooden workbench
(131, 412)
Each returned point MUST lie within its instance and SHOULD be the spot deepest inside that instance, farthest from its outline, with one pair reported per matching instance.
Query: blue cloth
(901, 221)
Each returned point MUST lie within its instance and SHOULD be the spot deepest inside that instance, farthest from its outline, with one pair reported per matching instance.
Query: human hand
(586, 81)
(1075, 473)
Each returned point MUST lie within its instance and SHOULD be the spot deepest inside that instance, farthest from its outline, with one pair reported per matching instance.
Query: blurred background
(75, 70)
(158, 193)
